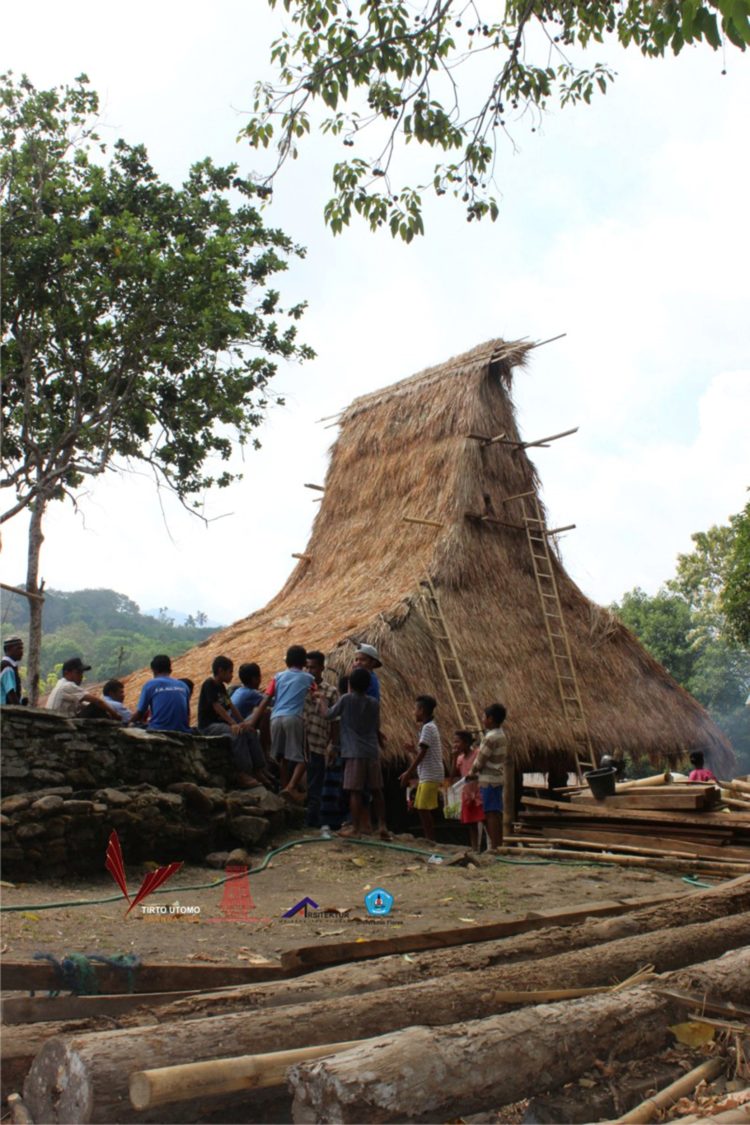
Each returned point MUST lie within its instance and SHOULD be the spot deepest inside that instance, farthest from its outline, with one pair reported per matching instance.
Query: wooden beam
(305, 558)
(33, 976)
(341, 952)
(517, 496)
(317, 487)
(545, 440)
(492, 519)
(46, 1009)
(557, 530)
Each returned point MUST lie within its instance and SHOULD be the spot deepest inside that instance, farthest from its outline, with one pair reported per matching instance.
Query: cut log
(682, 910)
(38, 976)
(84, 1078)
(423, 1074)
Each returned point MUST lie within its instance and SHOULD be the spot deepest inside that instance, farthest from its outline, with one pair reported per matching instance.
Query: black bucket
(602, 782)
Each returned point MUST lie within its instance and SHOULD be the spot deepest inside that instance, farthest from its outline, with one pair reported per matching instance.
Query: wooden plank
(674, 832)
(608, 837)
(642, 800)
(37, 976)
(706, 866)
(336, 953)
(37, 1009)
(726, 821)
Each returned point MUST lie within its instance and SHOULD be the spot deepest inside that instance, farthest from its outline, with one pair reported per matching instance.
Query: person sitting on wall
(218, 715)
(10, 672)
(69, 698)
(248, 695)
(163, 699)
(114, 693)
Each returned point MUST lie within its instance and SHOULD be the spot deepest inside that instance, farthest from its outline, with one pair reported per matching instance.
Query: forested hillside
(105, 627)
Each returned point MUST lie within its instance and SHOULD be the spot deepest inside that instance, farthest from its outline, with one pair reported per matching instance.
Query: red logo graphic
(237, 901)
(116, 867)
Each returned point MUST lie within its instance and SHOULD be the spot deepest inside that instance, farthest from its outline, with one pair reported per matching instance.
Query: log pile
(690, 828)
(454, 1030)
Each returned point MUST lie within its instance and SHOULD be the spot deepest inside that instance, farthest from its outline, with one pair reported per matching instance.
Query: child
(698, 772)
(360, 751)
(489, 771)
(218, 715)
(247, 696)
(288, 689)
(472, 809)
(428, 765)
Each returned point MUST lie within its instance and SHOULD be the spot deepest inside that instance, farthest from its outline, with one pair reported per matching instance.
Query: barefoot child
(428, 765)
(472, 809)
(489, 771)
(360, 751)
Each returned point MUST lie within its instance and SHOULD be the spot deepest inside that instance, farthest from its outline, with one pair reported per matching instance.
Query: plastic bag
(452, 800)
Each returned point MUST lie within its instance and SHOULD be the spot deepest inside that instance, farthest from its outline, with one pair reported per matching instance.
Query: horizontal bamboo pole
(305, 558)
(414, 519)
(737, 785)
(23, 593)
(594, 846)
(652, 1107)
(557, 530)
(317, 487)
(552, 437)
(707, 866)
(655, 779)
(167, 1084)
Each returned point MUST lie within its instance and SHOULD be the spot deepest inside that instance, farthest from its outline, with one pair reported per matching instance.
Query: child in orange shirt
(472, 810)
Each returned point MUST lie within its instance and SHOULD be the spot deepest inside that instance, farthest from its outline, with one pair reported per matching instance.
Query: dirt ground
(336, 874)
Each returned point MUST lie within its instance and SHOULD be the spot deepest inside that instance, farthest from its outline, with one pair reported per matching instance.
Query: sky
(622, 224)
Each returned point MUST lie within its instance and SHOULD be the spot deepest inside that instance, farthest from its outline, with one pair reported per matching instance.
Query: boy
(114, 693)
(165, 699)
(247, 697)
(360, 751)
(217, 715)
(472, 809)
(428, 765)
(318, 737)
(489, 771)
(699, 772)
(288, 690)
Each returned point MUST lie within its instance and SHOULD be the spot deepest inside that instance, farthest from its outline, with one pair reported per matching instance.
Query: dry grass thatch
(405, 450)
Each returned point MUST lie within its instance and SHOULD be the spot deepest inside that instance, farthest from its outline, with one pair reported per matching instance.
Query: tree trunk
(85, 1078)
(36, 604)
(730, 898)
(425, 1075)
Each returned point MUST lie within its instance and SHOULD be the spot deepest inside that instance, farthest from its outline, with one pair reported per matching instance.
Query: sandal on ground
(347, 833)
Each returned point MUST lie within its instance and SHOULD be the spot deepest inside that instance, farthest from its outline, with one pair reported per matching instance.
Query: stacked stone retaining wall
(67, 783)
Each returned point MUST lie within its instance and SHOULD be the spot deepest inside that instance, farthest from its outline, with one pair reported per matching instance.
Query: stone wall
(67, 783)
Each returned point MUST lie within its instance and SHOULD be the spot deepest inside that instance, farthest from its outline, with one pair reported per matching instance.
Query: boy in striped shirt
(428, 765)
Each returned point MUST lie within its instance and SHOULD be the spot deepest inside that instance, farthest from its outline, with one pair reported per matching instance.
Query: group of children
(327, 741)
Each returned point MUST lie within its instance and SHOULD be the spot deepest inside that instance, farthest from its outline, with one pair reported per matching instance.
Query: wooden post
(509, 798)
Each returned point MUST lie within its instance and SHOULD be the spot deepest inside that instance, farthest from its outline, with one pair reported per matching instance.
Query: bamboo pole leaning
(652, 1107)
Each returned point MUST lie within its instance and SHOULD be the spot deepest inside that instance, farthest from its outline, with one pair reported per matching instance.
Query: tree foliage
(105, 627)
(451, 76)
(735, 597)
(685, 627)
(137, 321)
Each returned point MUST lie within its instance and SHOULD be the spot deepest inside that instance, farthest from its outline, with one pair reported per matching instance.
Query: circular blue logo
(379, 901)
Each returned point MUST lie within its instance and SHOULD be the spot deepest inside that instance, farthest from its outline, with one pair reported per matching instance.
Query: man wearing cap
(367, 657)
(10, 675)
(69, 698)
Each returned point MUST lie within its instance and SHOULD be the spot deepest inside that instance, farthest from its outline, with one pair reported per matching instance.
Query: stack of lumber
(375, 1037)
(684, 827)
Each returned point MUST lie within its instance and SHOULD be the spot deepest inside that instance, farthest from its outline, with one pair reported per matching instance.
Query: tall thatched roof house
(405, 450)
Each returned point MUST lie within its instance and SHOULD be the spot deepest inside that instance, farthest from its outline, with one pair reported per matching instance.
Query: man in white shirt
(69, 698)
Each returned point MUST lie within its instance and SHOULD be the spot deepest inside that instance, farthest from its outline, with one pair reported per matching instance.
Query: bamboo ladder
(450, 664)
(537, 536)
(447, 654)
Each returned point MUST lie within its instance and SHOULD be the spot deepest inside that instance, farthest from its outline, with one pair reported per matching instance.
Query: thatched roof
(405, 450)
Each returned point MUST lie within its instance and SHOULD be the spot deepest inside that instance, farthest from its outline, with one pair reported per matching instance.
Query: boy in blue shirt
(167, 699)
(247, 697)
(288, 690)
